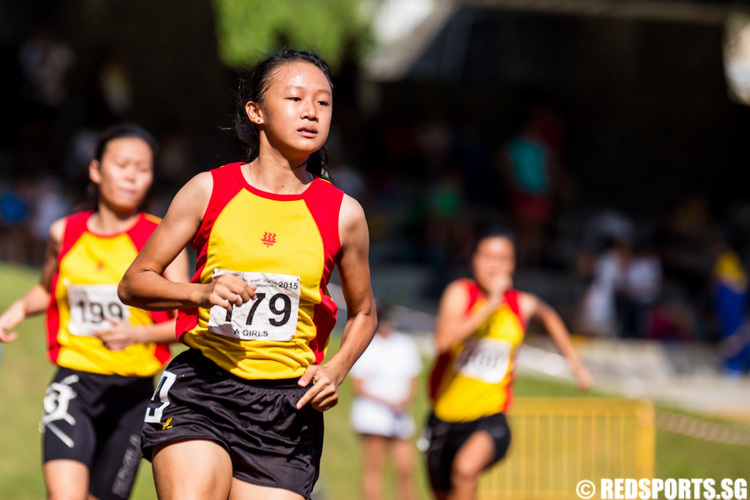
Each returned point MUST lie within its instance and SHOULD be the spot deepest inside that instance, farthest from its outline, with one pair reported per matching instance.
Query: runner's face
(494, 257)
(124, 174)
(296, 110)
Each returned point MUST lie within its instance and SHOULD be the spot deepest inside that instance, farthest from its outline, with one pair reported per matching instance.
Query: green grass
(25, 372)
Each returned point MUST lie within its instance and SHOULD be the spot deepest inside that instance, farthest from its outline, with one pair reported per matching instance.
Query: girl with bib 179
(238, 415)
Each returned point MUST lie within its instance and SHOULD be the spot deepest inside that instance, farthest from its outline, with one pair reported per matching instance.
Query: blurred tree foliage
(246, 29)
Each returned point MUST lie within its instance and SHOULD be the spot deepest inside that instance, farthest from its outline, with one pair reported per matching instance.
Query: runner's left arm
(354, 271)
(532, 307)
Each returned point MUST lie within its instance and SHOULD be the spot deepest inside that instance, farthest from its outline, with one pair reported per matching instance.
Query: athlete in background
(238, 415)
(384, 380)
(480, 325)
(106, 352)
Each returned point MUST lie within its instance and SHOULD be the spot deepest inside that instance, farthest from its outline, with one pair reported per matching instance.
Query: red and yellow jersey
(285, 245)
(474, 378)
(84, 298)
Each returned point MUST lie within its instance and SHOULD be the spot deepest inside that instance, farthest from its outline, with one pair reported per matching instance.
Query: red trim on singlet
(438, 370)
(139, 235)
(325, 208)
(274, 196)
(441, 363)
(511, 298)
(226, 185)
(509, 393)
(141, 230)
(75, 226)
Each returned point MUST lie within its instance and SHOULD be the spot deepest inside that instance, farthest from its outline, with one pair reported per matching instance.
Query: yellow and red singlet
(474, 379)
(84, 296)
(285, 245)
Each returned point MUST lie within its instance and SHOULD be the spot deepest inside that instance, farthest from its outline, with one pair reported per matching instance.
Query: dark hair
(253, 86)
(122, 130)
(493, 231)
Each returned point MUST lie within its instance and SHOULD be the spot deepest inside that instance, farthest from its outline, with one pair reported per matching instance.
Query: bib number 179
(279, 304)
(272, 315)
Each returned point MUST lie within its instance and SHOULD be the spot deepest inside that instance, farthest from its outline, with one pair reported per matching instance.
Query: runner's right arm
(144, 284)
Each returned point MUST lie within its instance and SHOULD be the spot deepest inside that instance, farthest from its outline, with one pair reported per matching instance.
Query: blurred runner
(106, 352)
(480, 325)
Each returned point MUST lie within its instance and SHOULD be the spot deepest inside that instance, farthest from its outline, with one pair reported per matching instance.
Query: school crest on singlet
(284, 245)
(474, 378)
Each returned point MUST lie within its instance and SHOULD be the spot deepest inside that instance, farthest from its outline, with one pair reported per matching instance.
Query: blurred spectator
(15, 215)
(114, 87)
(46, 62)
(607, 226)
(385, 379)
(685, 243)
(529, 163)
(730, 297)
(641, 290)
(597, 313)
(75, 163)
(433, 139)
(49, 204)
(670, 319)
(471, 154)
(603, 263)
(446, 227)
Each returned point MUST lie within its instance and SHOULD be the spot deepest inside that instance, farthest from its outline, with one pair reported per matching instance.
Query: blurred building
(640, 83)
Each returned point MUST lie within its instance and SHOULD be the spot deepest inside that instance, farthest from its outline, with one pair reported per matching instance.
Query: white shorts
(370, 417)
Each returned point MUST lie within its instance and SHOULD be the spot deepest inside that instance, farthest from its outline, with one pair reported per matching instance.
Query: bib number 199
(91, 306)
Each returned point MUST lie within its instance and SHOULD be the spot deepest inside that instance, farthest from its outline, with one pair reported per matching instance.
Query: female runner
(106, 353)
(480, 325)
(238, 415)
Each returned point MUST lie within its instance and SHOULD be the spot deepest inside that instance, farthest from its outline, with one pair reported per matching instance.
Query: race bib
(271, 316)
(91, 306)
(487, 360)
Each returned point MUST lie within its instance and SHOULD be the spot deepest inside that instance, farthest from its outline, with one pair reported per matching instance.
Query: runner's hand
(227, 291)
(584, 376)
(498, 286)
(120, 336)
(9, 320)
(323, 394)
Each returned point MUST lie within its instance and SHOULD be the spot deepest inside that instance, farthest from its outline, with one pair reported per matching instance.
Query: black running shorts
(97, 420)
(269, 441)
(446, 438)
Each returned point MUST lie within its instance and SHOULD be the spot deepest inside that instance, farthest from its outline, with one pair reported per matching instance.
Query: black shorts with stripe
(96, 420)
(446, 438)
(269, 441)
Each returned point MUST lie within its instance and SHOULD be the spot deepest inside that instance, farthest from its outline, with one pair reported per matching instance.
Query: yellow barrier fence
(557, 442)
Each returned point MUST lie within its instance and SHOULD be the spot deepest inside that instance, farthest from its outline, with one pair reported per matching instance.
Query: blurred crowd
(427, 179)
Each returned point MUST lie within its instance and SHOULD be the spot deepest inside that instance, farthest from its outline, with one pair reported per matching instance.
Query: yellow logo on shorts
(167, 425)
